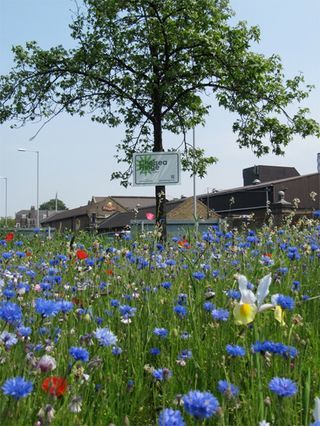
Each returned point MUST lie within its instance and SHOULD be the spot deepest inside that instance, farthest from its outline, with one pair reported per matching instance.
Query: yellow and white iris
(250, 304)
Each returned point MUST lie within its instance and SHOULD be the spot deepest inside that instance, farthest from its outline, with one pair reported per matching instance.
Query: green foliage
(148, 64)
(51, 205)
(9, 223)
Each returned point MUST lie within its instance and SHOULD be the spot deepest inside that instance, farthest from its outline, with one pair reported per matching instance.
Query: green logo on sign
(145, 165)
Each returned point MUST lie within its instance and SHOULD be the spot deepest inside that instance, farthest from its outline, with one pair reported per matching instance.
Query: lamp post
(194, 183)
(36, 152)
(5, 198)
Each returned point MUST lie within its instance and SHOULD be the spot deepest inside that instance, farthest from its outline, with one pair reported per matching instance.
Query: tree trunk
(160, 190)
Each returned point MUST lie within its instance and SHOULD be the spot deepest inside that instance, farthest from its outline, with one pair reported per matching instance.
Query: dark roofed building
(278, 197)
(267, 174)
(91, 215)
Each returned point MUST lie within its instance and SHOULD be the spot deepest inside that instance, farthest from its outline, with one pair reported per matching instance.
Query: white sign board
(156, 168)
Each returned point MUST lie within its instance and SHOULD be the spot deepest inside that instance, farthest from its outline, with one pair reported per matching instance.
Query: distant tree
(51, 205)
(150, 64)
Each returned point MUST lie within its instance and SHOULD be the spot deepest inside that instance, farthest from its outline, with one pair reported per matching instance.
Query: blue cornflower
(207, 236)
(275, 348)
(162, 374)
(79, 354)
(105, 337)
(220, 314)
(293, 253)
(89, 262)
(170, 417)
(17, 387)
(286, 302)
(154, 351)
(24, 331)
(43, 331)
(45, 286)
(295, 286)
(185, 335)
(208, 306)
(181, 311)
(233, 294)
(46, 308)
(252, 239)
(201, 405)
(9, 293)
(283, 387)
(7, 255)
(185, 354)
(116, 350)
(65, 306)
(235, 350)
(316, 214)
(127, 311)
(114, 302)
(8, 339)
(227, 389)
(10, 312)
(161, 332)
(182, 299)
(198, 275)
(167, 285)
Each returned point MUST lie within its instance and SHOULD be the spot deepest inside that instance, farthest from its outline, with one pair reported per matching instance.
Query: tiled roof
(131, 203)
(118, 220)
(79, 211)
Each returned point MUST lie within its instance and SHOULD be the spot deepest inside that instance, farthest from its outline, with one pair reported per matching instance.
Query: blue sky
(76, 156)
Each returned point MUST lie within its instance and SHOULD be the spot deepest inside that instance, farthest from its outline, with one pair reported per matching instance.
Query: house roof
(78, 211)
(131, 203)
(127, 202)
(96, 199)
(118, 220)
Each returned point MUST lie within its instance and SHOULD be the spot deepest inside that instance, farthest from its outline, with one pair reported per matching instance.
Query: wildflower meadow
(219, 328)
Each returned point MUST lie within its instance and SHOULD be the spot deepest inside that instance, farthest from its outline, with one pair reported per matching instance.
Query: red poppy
(184, 243)
(109, 271)
(28, 253)
(9, 236)
(81, 254)
(55, 385)
(268, 254)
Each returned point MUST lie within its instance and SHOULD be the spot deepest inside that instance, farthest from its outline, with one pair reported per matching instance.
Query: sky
(77, 156)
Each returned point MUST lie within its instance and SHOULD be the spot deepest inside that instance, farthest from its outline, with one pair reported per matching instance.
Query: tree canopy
(53, 204)
(150, 64)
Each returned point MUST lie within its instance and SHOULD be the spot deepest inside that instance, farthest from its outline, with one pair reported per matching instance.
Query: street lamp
(194, 181)
(36, 152)
(5, 199)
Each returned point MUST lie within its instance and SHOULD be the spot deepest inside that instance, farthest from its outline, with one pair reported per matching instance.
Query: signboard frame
(165, 168)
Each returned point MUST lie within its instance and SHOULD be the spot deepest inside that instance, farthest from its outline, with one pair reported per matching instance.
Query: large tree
(148, 64)
(53, 204)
